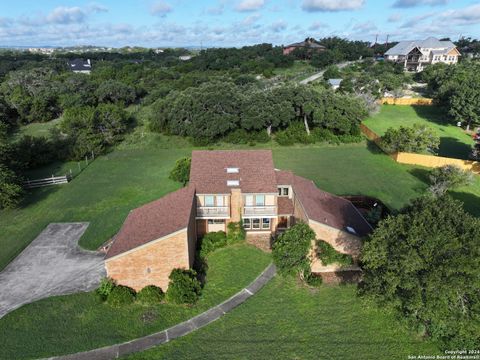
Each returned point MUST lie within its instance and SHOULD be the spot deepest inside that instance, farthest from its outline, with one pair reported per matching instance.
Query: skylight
(232, 170)
(233, 182)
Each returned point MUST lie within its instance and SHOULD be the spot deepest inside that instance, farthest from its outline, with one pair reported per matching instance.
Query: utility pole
(387, 40)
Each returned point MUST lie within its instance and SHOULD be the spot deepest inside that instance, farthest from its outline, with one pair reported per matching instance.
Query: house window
(266, 223)
(249, 200)
(255, 223)
(215, 221)
(283, 191)
(260, 200)
(220, 201)
(209, 200)
(247, 224)
(232, 170)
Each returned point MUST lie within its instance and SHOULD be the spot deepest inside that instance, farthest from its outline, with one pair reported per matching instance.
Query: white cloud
(413, 3)
(250, 5)
(331, 5)
(161, 8)
(317, 25)
(279, 26)
(365, 27)
(67, 15)
(251, 19)
(395, 17)
(466, 16)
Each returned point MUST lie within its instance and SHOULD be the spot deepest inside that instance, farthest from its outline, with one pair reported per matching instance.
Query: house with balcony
(226, 186)
(415, 55)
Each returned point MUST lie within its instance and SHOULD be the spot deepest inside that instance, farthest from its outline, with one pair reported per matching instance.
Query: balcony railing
(213, 211)
(259, 210)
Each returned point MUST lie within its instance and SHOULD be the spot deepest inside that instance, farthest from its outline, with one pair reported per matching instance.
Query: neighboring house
(80, 66)
(226, 186)
(185, 57)
(309, 43)
(414, 55)
(334, 83)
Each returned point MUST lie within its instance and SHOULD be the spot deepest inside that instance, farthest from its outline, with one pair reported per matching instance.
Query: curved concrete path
(179, 330)
(53, 264)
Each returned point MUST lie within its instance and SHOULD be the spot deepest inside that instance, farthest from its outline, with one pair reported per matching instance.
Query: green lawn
(37, 129)
(454, 142)
(287, 321)
(112, 185)
(67, 324)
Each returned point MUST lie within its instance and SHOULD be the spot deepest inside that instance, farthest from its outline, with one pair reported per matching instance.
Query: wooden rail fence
(54, 180)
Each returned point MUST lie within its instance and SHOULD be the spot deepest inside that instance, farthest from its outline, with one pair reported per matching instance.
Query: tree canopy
(424, 263)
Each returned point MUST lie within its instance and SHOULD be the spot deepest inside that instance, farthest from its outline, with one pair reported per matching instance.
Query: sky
(226, 23)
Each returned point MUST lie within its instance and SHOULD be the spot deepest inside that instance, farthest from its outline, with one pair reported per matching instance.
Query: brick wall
(236, 207)
(151, 264)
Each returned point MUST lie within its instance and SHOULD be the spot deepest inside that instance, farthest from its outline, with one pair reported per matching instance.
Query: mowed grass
(67, 324)
(288, 321)
(454, 142)
(37, 129)
(102, 194)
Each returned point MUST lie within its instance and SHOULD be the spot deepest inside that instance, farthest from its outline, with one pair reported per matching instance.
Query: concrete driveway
(52, 264)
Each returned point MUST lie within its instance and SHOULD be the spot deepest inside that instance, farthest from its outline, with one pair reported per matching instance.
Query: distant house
(80, 66)
(185, 57)
(309, 44)
(334, 83)
(226, 186)
(416, 54)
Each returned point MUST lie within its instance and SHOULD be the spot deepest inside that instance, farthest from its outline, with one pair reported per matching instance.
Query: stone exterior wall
(152, 263)
(342, 241)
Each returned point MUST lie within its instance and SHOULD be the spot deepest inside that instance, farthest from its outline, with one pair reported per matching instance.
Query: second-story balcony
(260, 210)
(213, 211)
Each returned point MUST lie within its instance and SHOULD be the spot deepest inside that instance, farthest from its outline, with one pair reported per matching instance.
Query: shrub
(184, 287)
(313, 280)
(181, 170)
(374, 215)
(290, 250)
(150, 295)
(295, 133)
(241, 136)
(105, 288)
(121, 296)
(448, 177)
(212, 241)
(236, 232)
(417, 138)
(329, 255)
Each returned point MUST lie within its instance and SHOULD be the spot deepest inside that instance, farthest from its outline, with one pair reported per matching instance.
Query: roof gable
(255, 174)
(154, 220)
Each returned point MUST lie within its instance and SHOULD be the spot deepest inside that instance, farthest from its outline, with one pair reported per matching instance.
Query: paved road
(52, 264)
(320, 74)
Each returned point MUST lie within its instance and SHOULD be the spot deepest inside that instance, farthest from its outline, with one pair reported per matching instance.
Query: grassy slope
(112, 185)
(103, 194)
(66, 324)
(453, 141)
(292, 322)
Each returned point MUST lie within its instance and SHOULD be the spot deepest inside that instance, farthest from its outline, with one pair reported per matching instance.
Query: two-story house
(226, 186)
(415, 55)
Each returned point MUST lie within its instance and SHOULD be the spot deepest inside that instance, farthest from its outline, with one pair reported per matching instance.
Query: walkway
(320, 74)
(179, 330)
(52, 264)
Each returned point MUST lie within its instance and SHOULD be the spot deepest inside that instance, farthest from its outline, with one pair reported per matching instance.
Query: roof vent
(351, 230)
(233, 182)
(232, 170)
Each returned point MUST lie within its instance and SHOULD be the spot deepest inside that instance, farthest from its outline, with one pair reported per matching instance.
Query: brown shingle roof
(256, 175)
(285, 206)
(284, 177)
(154, 220)
(329, 209)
